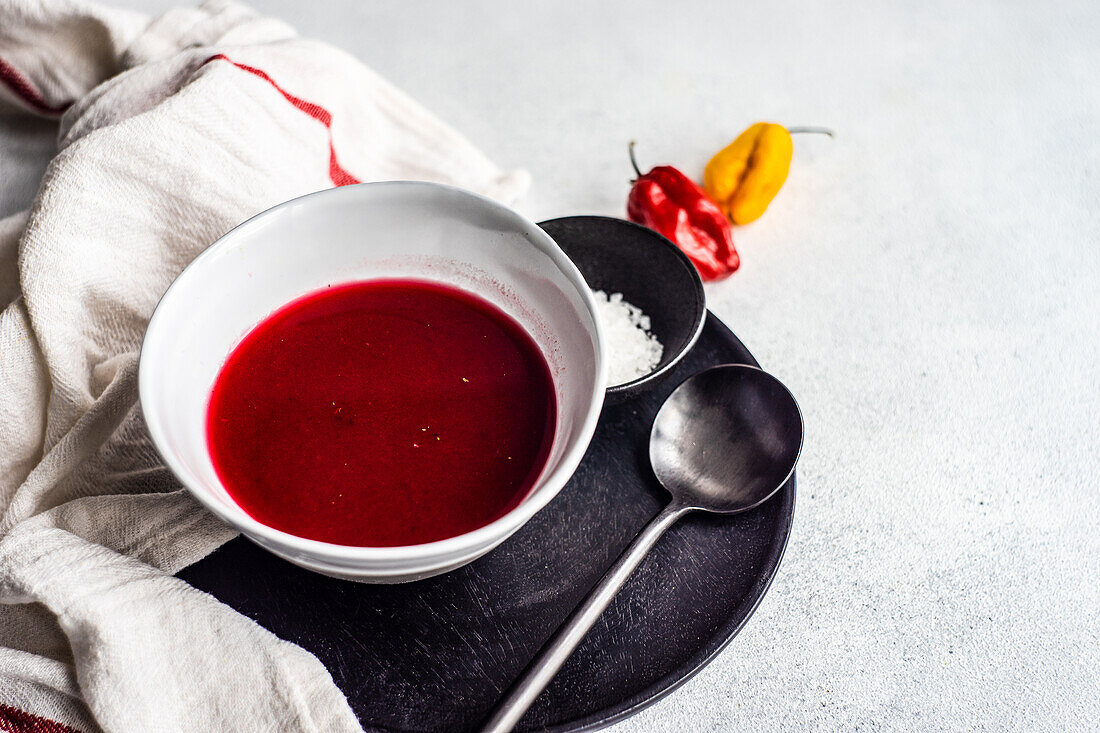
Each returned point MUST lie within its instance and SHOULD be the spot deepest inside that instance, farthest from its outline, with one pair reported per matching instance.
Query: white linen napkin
(171, 132)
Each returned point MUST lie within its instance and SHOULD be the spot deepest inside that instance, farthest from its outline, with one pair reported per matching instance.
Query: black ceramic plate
(435, 655)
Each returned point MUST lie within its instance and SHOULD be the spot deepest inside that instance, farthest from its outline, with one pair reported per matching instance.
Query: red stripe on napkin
(13, 720)
(336, 172)
(22, 88)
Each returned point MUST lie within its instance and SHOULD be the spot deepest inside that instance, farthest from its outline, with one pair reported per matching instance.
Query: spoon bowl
(726, 439)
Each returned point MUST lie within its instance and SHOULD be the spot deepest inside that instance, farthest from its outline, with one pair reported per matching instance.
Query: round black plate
(436, 654)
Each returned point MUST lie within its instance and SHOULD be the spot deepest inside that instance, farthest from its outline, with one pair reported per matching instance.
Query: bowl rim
(636, 386)
(547, 486)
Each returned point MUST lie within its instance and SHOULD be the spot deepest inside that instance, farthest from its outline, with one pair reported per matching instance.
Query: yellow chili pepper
(745, 176)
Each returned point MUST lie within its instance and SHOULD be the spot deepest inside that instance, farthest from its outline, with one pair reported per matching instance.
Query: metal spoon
(724, 441)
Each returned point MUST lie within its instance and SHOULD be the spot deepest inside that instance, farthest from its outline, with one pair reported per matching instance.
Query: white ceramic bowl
(375, 230)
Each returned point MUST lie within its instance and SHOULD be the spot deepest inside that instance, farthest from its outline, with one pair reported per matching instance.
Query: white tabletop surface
(927, 284)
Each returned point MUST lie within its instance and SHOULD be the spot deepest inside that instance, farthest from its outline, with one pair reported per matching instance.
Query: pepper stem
(634, 162)
(813, 130)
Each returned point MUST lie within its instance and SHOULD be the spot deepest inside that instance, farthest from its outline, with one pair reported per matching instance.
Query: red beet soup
(382, 413)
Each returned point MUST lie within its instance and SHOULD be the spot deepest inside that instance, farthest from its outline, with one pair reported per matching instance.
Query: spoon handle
(551, 657)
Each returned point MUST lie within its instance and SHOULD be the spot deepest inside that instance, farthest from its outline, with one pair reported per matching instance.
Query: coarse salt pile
(633, 350)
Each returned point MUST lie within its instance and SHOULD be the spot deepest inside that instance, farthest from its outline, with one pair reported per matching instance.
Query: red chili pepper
(669, 202)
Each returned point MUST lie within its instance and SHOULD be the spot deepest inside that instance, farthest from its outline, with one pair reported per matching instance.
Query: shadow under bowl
(619, 256)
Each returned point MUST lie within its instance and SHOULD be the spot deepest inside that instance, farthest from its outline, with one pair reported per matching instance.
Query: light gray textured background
(928, 285)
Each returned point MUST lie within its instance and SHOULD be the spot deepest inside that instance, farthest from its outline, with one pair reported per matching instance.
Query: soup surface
(382, 413)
